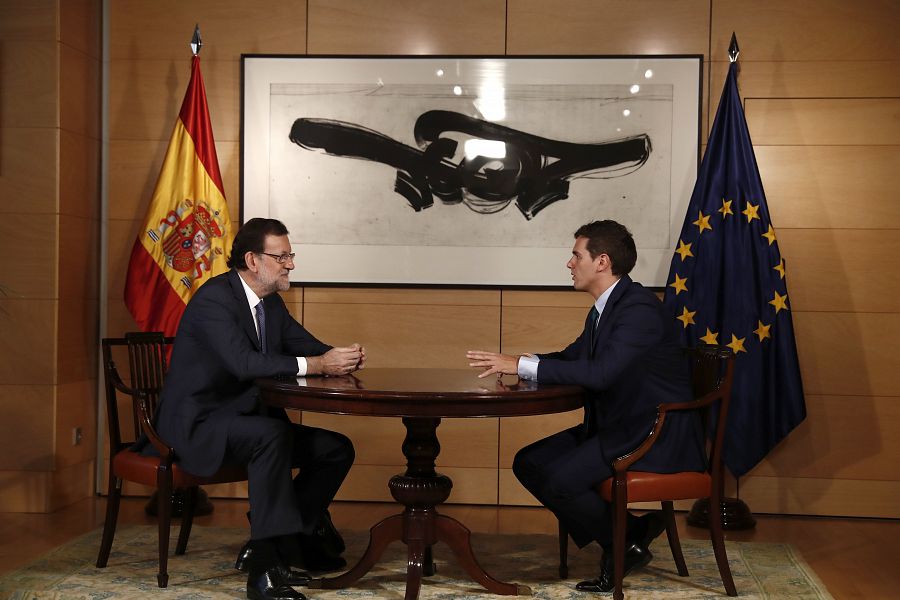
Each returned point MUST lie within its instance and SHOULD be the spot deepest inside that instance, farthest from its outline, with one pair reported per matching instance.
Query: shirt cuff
(301, 366)
(528, 367)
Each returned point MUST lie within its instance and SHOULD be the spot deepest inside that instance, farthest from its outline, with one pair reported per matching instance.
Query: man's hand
(339, 361)
(492, 362)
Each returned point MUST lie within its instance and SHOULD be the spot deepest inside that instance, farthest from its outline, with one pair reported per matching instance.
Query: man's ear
(602, 262)
(252, 261)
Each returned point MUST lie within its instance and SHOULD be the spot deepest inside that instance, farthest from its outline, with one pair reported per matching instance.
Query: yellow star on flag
(737, 344)
(751, 211)
(778, 302)
(686, 317)
(762, 331)
(710, 337)
(726, 208)
(770, 235)
(780, 268)
(703, 222)
(679, 285)
(684, 250)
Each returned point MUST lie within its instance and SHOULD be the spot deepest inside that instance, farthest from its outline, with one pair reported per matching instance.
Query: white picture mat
(347, 223)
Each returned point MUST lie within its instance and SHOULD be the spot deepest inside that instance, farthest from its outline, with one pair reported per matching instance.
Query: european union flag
(727, 286)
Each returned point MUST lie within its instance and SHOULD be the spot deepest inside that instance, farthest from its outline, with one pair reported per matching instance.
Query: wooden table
(421, 397)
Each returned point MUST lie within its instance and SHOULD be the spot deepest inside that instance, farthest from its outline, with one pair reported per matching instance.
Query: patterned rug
(206, 570)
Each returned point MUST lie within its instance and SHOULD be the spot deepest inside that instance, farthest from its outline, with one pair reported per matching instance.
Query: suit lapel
(608, 311)
(245, 314)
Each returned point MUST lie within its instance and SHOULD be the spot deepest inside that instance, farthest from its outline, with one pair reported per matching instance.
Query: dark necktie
(261, 323)
(592, 323)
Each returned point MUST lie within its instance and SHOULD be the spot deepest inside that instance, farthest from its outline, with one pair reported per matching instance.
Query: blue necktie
(261, 323)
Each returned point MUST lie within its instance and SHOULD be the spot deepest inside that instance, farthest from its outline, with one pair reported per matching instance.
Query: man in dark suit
(236, 328)
(629, 361)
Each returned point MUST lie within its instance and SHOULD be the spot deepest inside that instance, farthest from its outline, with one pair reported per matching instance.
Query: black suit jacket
(215, 359)
(635, 365)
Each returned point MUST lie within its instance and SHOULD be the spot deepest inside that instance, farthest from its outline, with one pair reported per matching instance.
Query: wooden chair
(147, 366)
(712, 371)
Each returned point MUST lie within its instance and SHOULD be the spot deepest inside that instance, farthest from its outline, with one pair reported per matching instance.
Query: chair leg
(563, 551)
(164, 516)
(672, 533)
(718, 542)
(114, 495)
(187, 519)
(620, 517)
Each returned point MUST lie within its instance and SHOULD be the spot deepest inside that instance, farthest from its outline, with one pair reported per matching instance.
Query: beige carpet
(206, 571)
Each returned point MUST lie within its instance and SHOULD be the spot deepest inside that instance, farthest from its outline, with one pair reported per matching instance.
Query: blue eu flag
(727, 286)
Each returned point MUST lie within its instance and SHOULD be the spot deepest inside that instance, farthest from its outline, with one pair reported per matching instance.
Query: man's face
(272, 276)
(584, 268)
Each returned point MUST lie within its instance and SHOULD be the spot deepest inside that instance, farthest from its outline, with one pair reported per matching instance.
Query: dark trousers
(270, 447)
(561, 472)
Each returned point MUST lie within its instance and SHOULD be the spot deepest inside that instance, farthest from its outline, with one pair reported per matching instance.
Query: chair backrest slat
(712, 371)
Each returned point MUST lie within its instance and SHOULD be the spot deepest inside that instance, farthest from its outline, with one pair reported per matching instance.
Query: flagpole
(733, 512)
(203, 506)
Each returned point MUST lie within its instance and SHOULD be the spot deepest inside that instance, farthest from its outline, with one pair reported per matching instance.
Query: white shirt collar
(252, 298)
(600, 304)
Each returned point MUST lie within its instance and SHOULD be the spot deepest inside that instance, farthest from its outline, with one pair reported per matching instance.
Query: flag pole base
(735, 514)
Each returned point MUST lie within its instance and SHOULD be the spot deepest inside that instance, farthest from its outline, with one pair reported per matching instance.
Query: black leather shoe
(269, 585)
(316, 560)
(246, 559)
(331, 540)
(635, 558)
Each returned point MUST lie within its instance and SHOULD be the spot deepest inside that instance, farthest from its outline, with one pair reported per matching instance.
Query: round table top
(420, 393)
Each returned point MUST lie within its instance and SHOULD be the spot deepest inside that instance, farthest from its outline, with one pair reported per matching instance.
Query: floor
(854, 558)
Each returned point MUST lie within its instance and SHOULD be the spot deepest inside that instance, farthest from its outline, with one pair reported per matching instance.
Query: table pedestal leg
(420, 526)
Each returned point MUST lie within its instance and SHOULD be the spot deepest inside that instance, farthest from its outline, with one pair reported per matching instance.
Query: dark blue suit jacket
(635, 365)
(215, 359)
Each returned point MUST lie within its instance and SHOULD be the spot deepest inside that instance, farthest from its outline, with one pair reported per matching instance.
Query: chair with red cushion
(147, 366)
(712, 371)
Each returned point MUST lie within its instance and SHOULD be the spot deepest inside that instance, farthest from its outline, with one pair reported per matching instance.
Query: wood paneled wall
(822, 98)
(50, 244)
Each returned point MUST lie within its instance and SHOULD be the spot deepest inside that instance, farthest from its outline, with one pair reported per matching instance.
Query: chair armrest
(624, 462)
(142, 409)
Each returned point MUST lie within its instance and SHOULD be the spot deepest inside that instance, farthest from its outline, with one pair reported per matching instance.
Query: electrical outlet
(76, 436)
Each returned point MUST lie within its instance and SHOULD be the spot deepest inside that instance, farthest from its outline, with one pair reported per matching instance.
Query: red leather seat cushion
(648, 487)
(132, 466)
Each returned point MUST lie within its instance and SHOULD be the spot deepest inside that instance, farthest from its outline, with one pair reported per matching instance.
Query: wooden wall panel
(803, 79)
(370, 482)
(825, 187)
(80, 24)
(70, 484)
(27, 20)
(28, 169)
(541, 329)
(849, 354)
(832, 30)
(867, 262)
(25, 491)
(407, 336)
(30, 260)
(406, 27)
(822, 122)
(402, 297)
(79, 168)
(30, 84)
(163, 29)
(843, 437)
(138, 162)
(34, 321)
(607, 27)
(76, 406)
(27, 427)
(145, 97)
(829, 496)
(79, 91)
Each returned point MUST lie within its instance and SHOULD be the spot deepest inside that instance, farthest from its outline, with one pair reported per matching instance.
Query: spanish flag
(187, 232)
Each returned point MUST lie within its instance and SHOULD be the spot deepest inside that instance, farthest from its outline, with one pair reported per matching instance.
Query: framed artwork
(464, 171)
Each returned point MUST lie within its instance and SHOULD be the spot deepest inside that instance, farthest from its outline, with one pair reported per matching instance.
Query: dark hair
(252, 238)
(612, 239)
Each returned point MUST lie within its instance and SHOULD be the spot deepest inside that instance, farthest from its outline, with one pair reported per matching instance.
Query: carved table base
(420, 526)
